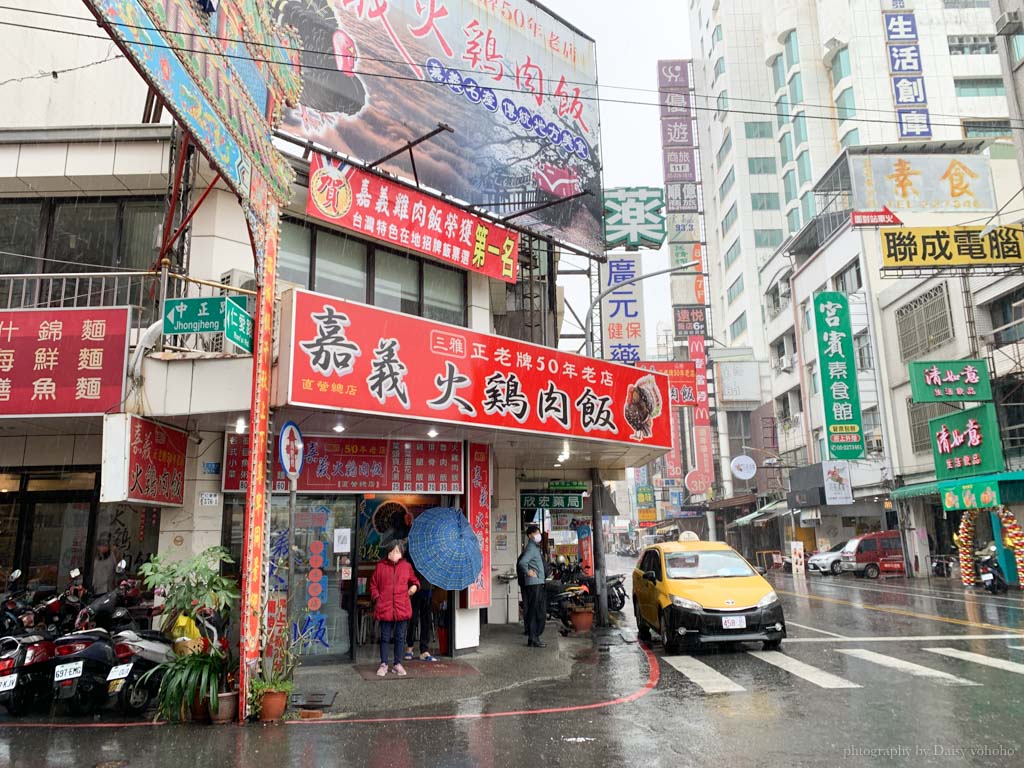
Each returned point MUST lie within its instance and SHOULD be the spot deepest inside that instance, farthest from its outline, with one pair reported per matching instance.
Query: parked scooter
(26, 672)
(992, 576)
(110, 611)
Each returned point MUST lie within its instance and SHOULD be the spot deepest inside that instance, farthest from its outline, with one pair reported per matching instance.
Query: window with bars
(919, 414)
(924, 323)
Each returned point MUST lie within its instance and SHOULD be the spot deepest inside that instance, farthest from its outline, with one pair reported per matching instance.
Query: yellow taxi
(697, 592)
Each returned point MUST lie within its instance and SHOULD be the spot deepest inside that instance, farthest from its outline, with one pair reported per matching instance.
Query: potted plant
(197, 605)
(581, 617)
(271, 684)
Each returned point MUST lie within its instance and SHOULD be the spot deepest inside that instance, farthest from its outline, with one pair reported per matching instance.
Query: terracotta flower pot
(273, 705)
(582, 619)
(200, 710)
(227, 708)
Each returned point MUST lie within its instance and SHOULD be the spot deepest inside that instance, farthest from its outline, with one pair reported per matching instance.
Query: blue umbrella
(445, 549)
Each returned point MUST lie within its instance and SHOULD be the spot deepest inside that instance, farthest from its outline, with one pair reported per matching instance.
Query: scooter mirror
(75, 573)
(121, 566)
(15, 575)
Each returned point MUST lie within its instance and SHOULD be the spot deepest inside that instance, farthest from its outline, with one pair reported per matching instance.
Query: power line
(717, 110)
(90, 20)
(54, 73)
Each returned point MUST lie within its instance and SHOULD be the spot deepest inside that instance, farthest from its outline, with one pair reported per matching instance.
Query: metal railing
(141, 291)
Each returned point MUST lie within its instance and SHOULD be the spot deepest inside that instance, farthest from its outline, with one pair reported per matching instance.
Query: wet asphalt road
(873, 673)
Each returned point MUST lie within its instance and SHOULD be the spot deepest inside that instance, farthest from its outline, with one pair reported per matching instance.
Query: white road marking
(977, 658)
(932, 593)
(711, 680)
(899, 639)
(819, 677)
(815, 629)
(906, 666)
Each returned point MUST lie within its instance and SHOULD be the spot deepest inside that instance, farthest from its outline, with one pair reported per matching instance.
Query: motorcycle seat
(152, 634)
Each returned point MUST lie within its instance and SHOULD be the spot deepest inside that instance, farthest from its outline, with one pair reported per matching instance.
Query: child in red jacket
(392, 584)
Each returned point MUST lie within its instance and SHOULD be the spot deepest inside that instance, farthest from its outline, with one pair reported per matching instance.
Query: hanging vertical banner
(585, 543)
(622, 319)
(478, 507)
(699, 479)
(843, 429)
(903, 48)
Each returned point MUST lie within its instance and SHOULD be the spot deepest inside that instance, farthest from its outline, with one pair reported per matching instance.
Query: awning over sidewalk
(1010, 490)
(915, 490)
(767, 512)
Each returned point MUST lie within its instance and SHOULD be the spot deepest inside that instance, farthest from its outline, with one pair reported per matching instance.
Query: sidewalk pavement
(502, 660)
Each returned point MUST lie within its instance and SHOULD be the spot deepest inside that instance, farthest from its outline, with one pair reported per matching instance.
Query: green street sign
(950, 381)
(836, 364)
(567, 485)
(966, 443)
(238, 323)
(550, 501)
(194, 315)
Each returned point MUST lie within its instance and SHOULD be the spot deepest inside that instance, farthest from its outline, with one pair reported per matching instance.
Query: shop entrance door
(56, 538)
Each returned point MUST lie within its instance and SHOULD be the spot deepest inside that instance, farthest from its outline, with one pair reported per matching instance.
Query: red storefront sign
(399, 215)
(882, 218)
(682, 380)
(60, 362)
(156, 463)
(353, 357)
(357, 465)
(478, 506)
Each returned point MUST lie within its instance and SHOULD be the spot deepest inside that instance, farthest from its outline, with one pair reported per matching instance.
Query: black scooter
(26, 672)
(992, 576)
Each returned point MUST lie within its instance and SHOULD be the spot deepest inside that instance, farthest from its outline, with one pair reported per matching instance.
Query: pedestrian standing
(422, 613)
(531, 570)
(391, 587)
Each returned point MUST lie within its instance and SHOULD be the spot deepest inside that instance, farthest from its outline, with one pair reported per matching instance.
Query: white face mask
(536, 538)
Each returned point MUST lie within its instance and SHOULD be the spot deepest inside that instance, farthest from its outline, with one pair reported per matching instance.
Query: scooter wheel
(81, 704)
(134, 697)
(18, 704)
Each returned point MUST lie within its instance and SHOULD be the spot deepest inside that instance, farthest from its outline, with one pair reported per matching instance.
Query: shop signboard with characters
(341, 355)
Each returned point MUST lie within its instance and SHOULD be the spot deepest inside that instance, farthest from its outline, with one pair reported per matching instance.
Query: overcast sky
(629, 44)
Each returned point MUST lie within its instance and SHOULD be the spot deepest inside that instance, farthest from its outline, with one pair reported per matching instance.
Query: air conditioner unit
(785, 363)
(1009, 24)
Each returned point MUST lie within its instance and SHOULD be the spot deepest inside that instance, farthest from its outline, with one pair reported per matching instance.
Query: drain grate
(314, 700)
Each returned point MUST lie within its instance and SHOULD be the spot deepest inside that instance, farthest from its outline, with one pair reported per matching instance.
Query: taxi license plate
(67, 671)
(734, 622)
(986, 577)
(120, 672)
(7, 682)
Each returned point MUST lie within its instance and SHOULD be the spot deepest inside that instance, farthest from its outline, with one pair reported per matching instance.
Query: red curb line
(653, 676)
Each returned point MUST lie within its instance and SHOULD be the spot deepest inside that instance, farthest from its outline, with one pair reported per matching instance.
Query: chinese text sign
(478, 507)
(948, 381)
(622, 310)
(844, 433)
(942, 247)
(966, 443)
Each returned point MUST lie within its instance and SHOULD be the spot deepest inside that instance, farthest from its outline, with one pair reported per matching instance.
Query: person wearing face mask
(531, 570)
(392, 585)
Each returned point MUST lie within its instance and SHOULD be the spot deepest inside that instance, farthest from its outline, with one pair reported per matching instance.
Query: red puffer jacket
(389, 590)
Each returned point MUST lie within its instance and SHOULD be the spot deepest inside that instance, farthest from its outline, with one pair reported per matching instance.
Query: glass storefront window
(84, 236)
(62, 481)
(59, 533)
(340, 266)
(130, 532)
(8, 534)
(293, 254)
(444, 295)
(396, 282)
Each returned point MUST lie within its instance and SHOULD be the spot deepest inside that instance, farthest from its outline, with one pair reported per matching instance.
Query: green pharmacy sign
(551, 501)
(843, 428)
(966, 443)
(634, 217)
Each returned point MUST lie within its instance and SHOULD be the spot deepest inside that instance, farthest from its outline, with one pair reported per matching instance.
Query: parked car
(873, 554)
(829, 561)
(697, 592)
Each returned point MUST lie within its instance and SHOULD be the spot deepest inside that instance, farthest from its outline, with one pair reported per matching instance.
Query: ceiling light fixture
(557, 465)
(240, 426)
(432, 433)
(339, 428)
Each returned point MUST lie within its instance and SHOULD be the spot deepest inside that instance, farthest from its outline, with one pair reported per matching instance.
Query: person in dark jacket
(421, 622)
(392, 585)
(531, 571)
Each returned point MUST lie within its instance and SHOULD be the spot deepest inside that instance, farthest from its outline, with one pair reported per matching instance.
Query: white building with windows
(782, 88)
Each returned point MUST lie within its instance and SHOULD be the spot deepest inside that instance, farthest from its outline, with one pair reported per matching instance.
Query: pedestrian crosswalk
(734, 673)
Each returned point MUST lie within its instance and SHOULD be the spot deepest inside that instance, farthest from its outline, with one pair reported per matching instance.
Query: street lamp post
(596, 522)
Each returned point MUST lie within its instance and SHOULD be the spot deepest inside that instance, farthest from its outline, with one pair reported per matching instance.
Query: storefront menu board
(357, 465)
(61, 362)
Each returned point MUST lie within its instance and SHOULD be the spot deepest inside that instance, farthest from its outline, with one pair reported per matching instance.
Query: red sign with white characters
(57, 362)
(478, 505)
(156, 463)
(357, 465)
(682, 380)
(882, 218)
(387, 210)
(698, 480)
(353, 357)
